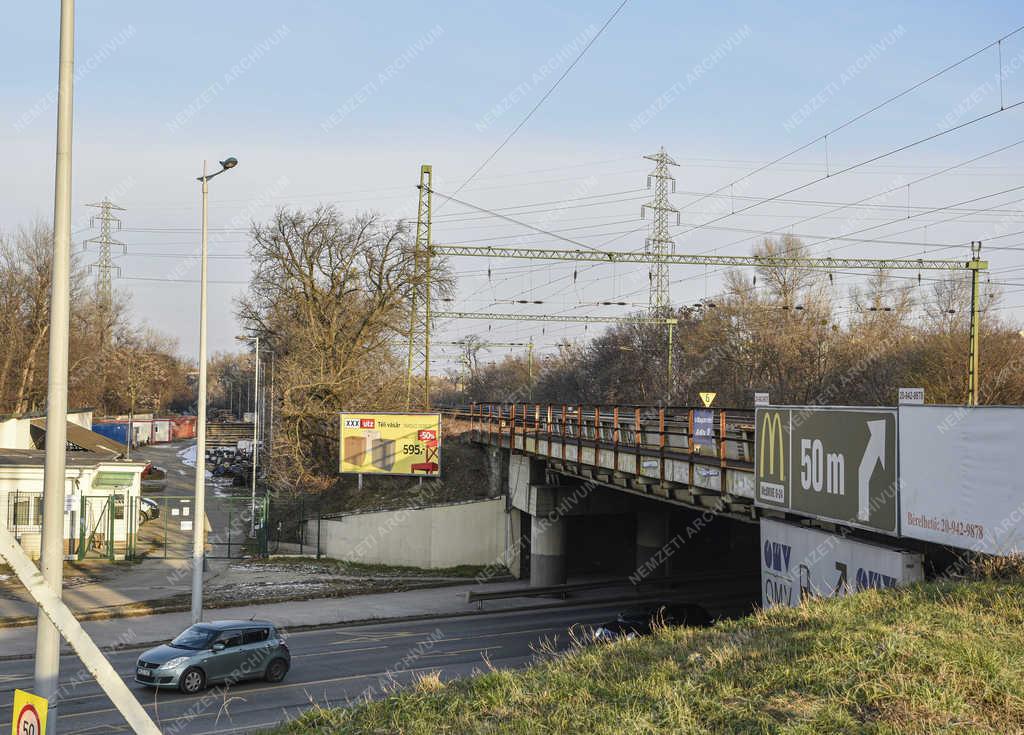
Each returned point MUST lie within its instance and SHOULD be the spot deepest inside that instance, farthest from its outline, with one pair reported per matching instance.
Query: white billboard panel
(799, 562)
(962, 476)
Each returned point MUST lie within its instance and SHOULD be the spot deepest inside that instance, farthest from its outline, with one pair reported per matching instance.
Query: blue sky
(161, 87)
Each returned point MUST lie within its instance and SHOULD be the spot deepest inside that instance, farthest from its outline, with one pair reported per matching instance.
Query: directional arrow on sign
(874, 454)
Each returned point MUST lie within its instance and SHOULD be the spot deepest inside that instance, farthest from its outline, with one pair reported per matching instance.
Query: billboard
(837, 464)
(962, 476)
(799, 562)
(391, 444)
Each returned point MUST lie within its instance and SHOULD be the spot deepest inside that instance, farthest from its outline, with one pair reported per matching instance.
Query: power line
(862, 115)
(543, 99)
(512, 220)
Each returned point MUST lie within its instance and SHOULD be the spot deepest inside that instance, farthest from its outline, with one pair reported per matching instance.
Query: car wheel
(142, 517)
(192, 681)
(276, 670)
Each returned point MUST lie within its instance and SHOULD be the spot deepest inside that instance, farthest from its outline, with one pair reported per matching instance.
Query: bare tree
(330, 298)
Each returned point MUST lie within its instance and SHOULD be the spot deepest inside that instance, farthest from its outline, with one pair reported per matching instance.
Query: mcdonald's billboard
(837, 464)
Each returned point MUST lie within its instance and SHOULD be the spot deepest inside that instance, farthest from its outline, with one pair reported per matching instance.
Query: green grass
(934, 658)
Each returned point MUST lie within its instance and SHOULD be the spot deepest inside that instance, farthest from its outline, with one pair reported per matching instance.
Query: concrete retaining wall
(433, 538)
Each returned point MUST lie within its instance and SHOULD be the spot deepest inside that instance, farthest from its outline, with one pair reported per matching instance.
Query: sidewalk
(442, 601)
(97, 585)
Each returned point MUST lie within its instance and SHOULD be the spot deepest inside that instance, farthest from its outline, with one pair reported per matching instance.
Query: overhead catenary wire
(544, 98)
(872, 110)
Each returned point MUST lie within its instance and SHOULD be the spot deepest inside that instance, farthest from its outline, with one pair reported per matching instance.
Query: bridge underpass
(621, 493)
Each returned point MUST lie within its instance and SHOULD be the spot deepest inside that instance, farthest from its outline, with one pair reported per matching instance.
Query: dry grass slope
(934, 658)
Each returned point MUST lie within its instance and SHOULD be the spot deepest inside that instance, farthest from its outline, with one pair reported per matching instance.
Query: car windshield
(196, 638)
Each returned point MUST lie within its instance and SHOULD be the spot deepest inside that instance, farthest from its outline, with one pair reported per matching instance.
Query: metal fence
(166, 531)
(295, 525)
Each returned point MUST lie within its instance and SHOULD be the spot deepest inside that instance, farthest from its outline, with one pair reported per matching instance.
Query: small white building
(101, 491)
(101, 502)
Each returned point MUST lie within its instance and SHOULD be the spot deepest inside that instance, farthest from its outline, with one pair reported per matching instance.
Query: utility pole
(975, 265)
(255, 428)
(419, 301)
(529, 367)
(51, 554)
(104, 266)
(660, 242)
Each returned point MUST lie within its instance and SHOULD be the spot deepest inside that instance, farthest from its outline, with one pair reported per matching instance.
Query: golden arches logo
(771, 430)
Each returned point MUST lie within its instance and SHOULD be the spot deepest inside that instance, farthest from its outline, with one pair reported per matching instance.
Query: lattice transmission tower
(104, 266)
(660, 242)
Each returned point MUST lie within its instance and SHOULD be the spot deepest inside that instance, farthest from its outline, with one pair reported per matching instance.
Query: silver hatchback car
(225, 651)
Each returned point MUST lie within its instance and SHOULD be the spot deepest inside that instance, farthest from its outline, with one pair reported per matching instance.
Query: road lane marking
(347, 650)
(456, 653)
(277, 687)
(377, 637)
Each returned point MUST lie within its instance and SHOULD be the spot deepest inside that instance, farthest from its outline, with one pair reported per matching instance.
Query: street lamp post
(255, 424)
(51, 549)
(199, 514)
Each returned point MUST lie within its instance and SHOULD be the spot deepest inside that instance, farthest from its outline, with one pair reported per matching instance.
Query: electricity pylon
(660, 241)
(104, 265)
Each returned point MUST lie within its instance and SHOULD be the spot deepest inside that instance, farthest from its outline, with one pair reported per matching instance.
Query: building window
(24, 509)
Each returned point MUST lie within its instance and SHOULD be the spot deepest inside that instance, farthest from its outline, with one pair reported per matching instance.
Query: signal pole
(51, 551)
(660, 241)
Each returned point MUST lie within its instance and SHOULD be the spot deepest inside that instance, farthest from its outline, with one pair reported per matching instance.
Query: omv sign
(868, 579)
(776, 556)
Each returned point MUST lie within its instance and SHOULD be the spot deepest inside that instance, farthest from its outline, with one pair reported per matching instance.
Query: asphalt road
(225, 510)
(330, 666)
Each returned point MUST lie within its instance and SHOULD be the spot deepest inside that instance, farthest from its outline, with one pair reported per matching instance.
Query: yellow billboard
(391, 444)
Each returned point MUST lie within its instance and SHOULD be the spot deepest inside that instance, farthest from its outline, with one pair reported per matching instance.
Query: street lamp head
(230, 162)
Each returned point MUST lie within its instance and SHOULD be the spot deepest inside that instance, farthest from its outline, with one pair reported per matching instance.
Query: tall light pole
(255, 423)
(199, 514)
(51, 554)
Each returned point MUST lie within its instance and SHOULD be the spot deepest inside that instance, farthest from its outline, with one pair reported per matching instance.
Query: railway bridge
(609, 488)
(892, 493)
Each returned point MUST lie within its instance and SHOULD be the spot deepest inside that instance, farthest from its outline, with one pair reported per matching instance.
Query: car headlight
(177, 661)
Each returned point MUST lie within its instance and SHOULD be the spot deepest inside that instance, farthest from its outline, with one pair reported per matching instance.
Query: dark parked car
(209, 653)
(640, 621)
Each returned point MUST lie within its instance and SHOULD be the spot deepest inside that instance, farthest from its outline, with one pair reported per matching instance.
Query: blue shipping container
(116, 430)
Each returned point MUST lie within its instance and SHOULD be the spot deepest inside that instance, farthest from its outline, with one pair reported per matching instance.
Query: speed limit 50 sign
(29, 714)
